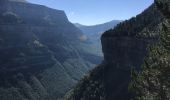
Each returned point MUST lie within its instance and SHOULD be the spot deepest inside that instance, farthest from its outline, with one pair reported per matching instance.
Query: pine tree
(153, 82)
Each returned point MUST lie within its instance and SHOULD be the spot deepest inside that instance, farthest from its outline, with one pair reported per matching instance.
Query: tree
(153, 82)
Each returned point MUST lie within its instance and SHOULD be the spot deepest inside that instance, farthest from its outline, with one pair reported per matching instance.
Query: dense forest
(137, 24)
(153, 82)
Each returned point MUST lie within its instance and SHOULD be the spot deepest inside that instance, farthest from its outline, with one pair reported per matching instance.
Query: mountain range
(94, 32)
(97, 29)
(43, 55)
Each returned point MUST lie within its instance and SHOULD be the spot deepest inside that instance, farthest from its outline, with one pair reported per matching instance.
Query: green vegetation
(91, 87)
(123, 47)
(41, 55)
(134, 26)
(153, 82)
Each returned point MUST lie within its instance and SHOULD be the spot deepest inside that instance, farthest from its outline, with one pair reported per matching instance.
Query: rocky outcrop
(121, 54)
(124, 52)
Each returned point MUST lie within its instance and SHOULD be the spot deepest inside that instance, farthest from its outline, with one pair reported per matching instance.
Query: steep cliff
(124, 47)
(41, 53)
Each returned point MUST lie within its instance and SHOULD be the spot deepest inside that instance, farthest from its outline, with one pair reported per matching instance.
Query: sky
(92, 12)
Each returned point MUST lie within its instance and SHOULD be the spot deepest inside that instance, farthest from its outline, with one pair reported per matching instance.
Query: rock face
(121, 54)
(124, 52)
(42, 55)
(123, 47)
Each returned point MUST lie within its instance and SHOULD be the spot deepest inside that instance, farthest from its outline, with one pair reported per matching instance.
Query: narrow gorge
(124, 47)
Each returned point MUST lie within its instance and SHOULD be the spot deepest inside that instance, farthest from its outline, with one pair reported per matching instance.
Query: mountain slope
(94, 32)
(42, 54)
(124, 47)
(97, 29)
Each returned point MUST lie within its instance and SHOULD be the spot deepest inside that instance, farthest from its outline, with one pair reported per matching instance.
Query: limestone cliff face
(120, 55)
(124, 52)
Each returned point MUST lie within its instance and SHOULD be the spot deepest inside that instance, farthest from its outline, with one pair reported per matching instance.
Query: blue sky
(91, 12)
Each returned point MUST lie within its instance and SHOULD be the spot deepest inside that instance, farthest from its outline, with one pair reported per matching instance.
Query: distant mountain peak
(109, 22)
